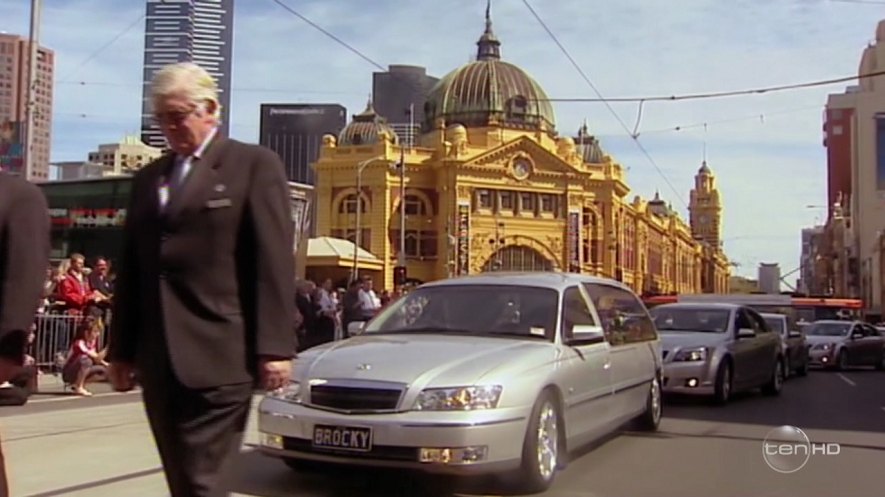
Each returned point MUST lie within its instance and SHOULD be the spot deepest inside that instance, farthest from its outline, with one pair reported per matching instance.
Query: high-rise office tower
(199, 31)
(398, 89)
(15, 54)
(295, 132)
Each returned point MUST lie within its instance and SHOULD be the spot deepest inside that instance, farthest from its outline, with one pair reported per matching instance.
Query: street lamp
(359, 210)
(400, 269)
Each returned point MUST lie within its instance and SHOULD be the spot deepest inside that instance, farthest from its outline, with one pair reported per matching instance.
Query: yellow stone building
(492, 186)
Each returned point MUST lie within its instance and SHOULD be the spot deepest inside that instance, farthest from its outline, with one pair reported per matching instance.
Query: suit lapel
(192, 192)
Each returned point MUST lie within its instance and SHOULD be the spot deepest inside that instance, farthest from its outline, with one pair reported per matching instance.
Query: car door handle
(607, 364)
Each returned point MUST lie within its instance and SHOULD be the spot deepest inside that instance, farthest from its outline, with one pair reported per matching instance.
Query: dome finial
(584, 130)
(489, 46)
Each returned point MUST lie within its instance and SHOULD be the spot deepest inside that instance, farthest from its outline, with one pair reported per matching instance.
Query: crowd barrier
(53, 335)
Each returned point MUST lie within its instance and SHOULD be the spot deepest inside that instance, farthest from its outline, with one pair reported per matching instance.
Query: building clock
(522, 167)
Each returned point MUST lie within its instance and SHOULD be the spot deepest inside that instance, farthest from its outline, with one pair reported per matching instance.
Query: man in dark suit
(204, 297)
(24, 257)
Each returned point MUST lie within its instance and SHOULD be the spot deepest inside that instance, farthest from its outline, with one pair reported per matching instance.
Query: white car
(481, 374)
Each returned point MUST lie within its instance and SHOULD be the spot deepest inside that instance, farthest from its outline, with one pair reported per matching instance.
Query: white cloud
(768, 172)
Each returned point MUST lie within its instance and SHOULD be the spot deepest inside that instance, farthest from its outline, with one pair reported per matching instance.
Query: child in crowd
(85, 363)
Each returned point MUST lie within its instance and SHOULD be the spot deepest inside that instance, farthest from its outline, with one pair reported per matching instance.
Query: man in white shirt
(369, 302)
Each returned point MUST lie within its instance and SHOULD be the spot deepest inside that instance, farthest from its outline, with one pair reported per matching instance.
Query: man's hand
(275, 373)
(8, 369)
(122, 376)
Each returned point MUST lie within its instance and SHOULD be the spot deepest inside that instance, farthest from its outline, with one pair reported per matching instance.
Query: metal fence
(53, 335)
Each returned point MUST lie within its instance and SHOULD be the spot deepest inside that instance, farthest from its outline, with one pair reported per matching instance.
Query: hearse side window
(624, 319)
(574, 311)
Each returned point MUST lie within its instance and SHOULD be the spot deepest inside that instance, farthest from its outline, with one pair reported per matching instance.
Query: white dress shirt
(182, 168)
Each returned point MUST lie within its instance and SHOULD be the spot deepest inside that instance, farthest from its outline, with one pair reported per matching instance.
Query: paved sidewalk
(97, 450)
(52, 385)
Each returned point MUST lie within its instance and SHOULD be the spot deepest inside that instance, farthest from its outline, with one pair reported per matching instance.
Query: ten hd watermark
(788, 449)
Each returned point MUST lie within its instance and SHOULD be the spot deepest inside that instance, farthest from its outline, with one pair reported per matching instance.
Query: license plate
(342, 438)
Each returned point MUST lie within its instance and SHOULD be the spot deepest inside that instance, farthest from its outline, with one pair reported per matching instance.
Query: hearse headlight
(459, 398)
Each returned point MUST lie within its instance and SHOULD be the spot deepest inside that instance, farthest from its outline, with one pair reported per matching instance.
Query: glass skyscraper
(199, 31)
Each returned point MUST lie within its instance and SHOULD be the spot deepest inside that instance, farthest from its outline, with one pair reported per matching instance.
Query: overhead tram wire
(867, 2)
(724, 94)
(632, 134)
(101, 49)
(762, 116)
(234, 89)
(330, 35)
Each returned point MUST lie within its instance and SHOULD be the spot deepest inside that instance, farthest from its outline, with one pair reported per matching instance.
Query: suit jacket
(206, 284)
(307, 310)
(24, 257)
(102, 284)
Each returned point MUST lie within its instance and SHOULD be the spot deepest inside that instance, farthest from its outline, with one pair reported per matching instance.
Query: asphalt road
(700, 450)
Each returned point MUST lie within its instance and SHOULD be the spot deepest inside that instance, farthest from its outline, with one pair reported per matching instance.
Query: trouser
(4, 485)
(197, 431)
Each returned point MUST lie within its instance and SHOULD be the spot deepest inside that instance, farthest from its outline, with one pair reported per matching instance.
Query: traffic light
(399, 275)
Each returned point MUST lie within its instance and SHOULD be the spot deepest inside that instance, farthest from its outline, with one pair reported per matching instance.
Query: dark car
(794, 343)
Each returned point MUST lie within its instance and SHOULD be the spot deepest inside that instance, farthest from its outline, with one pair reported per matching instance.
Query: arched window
(349, 203)
(517, 258)
(415, 206)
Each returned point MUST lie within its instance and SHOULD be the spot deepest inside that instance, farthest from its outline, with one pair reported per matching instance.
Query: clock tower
(705, 208)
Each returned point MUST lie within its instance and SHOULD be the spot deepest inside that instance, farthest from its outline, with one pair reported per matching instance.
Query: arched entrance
(517, 258)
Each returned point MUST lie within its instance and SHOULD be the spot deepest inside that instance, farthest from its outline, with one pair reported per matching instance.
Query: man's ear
(212, 107)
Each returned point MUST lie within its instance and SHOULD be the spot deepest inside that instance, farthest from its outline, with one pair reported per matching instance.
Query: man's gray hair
(185, 79)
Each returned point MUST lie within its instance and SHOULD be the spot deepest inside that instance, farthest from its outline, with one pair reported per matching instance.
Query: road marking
(846, 379)
(73, 397)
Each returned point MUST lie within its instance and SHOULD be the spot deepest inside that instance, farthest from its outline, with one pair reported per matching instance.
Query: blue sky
(769, 168)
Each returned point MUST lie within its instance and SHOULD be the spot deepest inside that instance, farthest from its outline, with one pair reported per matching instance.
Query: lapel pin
(219, 188)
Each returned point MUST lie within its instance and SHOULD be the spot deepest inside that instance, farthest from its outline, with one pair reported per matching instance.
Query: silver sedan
(717, 349)
(842, 344)
(482, 374)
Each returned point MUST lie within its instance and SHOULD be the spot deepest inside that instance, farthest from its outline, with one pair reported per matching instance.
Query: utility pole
(401, 259)
(402, 191)
(399, 271)
(31, 105)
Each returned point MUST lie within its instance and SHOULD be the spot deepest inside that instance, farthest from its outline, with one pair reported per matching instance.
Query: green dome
(487, 92)
(366, 128)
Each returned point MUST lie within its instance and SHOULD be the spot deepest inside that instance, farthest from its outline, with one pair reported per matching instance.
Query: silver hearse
(494, 373)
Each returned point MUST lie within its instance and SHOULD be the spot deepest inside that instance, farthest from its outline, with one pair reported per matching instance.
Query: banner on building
(301, 213)
(11, 147)
(463, 265)
(573, 238)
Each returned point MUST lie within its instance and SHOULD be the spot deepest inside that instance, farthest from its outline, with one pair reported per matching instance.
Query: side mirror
(586, 335)
(355, 328)
(794, 334)
(746, 333)
(856, 335)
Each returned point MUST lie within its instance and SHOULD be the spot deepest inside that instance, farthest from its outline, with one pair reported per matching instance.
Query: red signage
(87, 218)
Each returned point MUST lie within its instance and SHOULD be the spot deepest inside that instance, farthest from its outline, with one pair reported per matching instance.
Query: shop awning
(326, 251)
